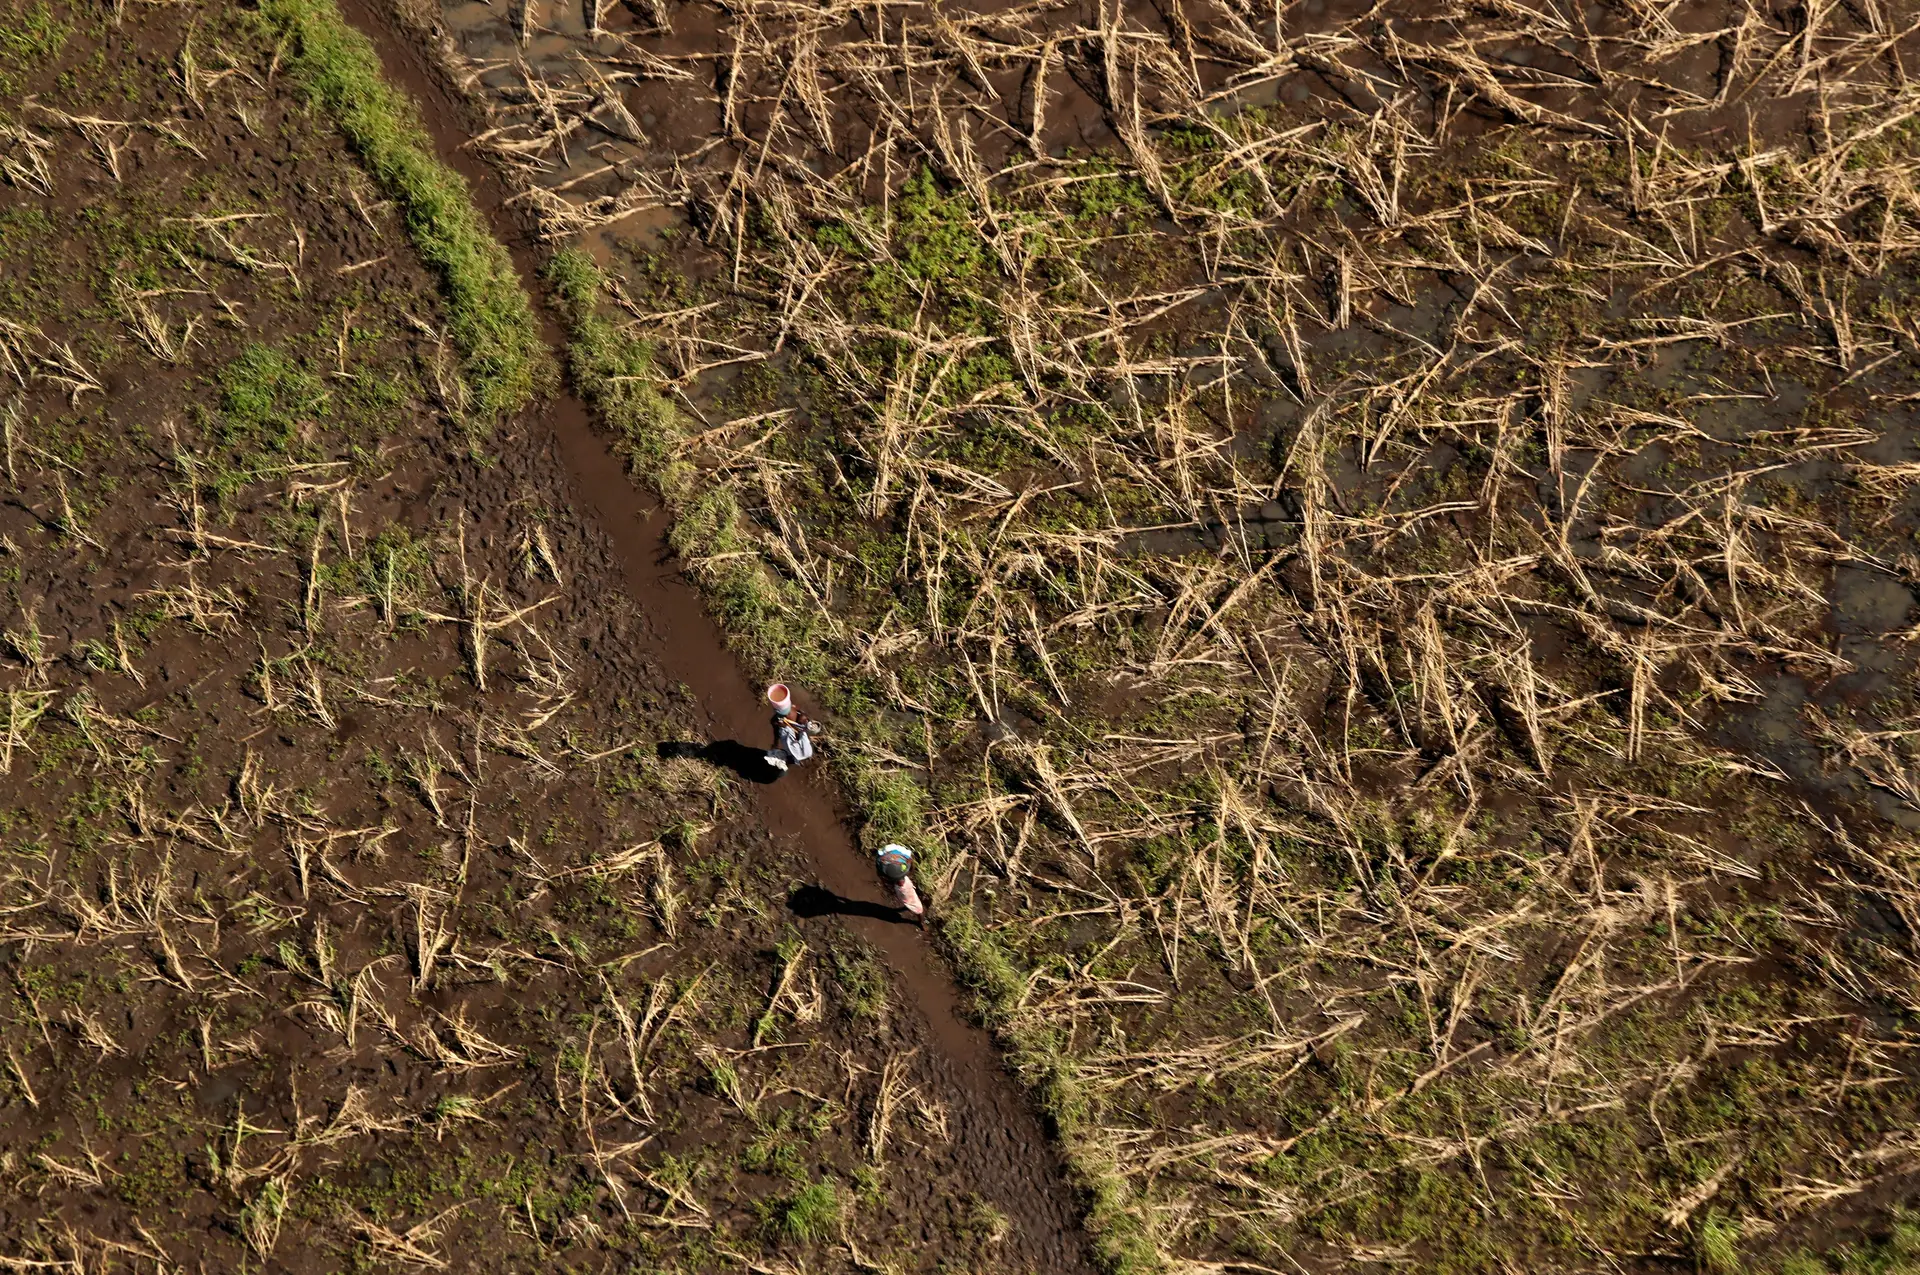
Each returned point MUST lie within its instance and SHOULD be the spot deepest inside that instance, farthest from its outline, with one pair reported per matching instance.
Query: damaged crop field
(351, 915)
(1370, 552)
(1369, 549)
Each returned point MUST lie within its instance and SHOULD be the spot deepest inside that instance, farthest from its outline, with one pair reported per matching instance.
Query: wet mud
(319, 913)
(998, 1138)
(1543, 476)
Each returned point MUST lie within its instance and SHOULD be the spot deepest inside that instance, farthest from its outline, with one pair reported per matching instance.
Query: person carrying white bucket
(793, 730)
(896, 863)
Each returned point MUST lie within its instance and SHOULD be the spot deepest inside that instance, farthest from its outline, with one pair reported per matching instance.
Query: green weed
(936, 232)
(265, 397)
(32, 35)
(506, 362)
(810, 1214)
(1717, 1244)
(862, 980)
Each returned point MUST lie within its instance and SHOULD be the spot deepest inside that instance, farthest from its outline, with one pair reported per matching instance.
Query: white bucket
(780, 697)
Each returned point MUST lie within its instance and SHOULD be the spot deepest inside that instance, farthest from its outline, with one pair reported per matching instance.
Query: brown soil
(998, 1135)
(1769, 904)
(308, 960)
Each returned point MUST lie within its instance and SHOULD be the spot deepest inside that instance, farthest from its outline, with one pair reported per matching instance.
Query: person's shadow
(747, 762)
(817, 900)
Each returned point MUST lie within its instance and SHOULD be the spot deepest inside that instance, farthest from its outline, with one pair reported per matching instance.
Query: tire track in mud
(998, 1139)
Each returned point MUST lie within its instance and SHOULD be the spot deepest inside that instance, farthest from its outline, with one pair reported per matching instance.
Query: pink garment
(908, 897)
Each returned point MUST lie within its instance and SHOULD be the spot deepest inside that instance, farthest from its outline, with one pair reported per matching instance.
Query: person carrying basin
(793, 730)
(896, 862)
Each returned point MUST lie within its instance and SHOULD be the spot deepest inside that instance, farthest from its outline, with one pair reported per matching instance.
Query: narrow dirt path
(997, 1135)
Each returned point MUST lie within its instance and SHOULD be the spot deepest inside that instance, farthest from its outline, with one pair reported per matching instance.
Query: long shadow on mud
(743, 760)
(817, 900)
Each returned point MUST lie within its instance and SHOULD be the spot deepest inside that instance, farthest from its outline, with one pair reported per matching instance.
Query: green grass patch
(31, 35)
(265, 396)
(505, 363)
(808, 1215)
(1717, 1244)
(615, 374)
(1895, 1253)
